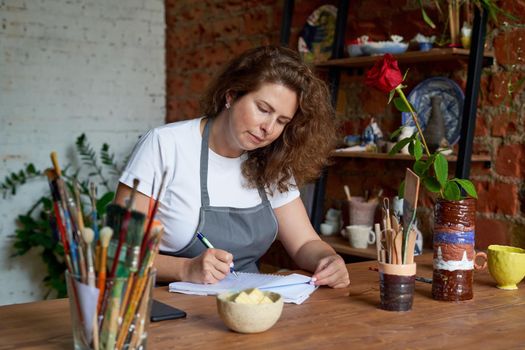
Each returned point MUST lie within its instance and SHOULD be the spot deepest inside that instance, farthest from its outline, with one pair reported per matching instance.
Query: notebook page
(294, 288)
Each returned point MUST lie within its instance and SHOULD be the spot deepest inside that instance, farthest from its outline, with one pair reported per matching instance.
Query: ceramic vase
(435, 130)
(454, 255)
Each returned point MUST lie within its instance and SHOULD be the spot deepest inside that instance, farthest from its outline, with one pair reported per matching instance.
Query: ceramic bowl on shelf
(355, 50)
(382, 47)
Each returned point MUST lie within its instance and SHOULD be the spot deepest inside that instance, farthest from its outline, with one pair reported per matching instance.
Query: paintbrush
(134, 240)
(105, 237)
(124, 228)
(152, 217)
(88, 235)
(68, 225)
(51, 176)
(138, 288)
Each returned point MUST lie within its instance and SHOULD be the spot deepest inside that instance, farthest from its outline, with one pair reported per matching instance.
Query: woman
(233, 175)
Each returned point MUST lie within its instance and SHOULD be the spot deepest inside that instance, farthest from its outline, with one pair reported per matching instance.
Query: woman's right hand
(209, 267)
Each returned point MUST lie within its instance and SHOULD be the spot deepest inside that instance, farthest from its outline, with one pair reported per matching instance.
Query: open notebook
(294, 288)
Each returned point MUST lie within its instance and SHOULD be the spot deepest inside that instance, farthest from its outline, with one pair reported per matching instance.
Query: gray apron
(246, 233)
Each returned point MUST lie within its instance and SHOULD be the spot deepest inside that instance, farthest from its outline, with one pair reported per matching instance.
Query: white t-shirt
(176, 147)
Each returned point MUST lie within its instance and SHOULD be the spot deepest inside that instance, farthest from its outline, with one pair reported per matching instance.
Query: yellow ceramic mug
(506, 265)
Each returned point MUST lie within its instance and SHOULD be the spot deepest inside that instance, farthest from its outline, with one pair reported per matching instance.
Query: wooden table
(330, 319)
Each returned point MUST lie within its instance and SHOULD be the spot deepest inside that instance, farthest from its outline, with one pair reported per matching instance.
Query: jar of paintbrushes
(110, 274)
(395, 251)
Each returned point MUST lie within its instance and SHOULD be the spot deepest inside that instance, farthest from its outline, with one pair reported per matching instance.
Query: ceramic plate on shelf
(316, 39)
(452, 99)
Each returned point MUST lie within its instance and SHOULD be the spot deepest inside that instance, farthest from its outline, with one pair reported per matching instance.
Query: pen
(207, 243)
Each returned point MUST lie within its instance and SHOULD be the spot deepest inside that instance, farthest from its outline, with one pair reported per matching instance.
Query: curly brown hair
(303, 148)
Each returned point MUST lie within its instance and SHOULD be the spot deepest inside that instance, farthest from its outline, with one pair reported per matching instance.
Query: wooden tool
(377, 229)
(411, 246)
(347, 192)
(409, 206)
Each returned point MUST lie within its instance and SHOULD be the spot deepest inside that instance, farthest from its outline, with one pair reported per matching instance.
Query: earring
(227, 105)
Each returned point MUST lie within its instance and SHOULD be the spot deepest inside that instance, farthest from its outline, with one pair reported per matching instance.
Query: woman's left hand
(331, 271)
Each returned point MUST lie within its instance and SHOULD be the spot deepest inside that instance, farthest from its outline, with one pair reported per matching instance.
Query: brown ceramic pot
(454, 255)
(396, 286)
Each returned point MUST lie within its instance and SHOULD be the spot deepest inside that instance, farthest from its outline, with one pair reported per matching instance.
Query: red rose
(384, 75)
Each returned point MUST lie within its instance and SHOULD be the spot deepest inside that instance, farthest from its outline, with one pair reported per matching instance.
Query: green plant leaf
(468, 186)
(396, 133)
(103, 202)
(418, 149)
(401, 189)
(441, 169)
(399, 145)
(420, 167)
(427, 19)
(452, 192)
(400, 105)
(431, 184)
(391, 96)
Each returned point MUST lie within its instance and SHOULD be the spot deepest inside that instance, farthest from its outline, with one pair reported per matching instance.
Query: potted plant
(455, 208)
(34, 230)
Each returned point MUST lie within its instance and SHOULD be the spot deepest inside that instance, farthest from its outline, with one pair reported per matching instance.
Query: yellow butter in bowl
(252, 296)
(250, 311)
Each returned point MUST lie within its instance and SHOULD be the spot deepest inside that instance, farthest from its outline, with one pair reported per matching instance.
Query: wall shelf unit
(434, 55)
(476, 58)
(386, 156)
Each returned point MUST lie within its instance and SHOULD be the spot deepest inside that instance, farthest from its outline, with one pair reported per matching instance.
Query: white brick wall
(67, 67)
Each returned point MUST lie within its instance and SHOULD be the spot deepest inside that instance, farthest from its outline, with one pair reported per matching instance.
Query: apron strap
(205, 197)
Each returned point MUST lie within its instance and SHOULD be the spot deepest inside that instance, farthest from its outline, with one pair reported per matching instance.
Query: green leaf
(441, 169)
(391, 96)
(427, 19)
(452, 192)
(468, 186)
(418, 149)
(401, 189)
(103, 202)
(431, 184)
(420, 167)
(411, 148)
(405, 75)
(400, 105)
(399, 145)
(396, 133)
(30, 169)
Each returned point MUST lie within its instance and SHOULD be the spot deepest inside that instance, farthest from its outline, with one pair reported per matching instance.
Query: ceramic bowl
(506, 265)
(249, 318)
(382, 47)
(352, 140)
(354, 50)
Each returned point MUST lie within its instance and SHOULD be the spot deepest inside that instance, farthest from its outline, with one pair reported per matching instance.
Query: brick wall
(69, 67)
(202, 37)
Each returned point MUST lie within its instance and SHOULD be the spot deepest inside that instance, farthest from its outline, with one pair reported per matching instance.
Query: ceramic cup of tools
(362, 212)
(119, 320)
(396, 286)
(360, 236)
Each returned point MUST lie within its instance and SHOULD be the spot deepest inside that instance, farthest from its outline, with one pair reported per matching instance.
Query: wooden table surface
(330, 319)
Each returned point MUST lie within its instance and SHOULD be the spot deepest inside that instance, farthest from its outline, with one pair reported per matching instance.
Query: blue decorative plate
(316, 40)
(452, 99)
